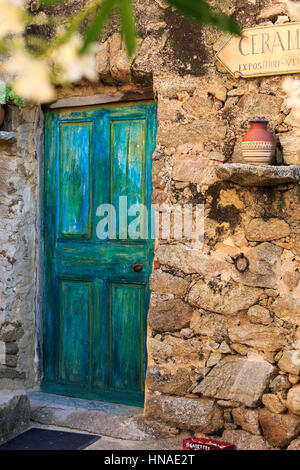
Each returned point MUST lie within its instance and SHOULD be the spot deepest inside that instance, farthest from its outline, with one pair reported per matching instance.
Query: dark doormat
(48, 439)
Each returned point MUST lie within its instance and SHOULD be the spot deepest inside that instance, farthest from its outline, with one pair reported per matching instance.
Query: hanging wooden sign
(265, 50)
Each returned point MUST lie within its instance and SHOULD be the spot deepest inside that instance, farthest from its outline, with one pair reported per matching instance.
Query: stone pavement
(108, 443)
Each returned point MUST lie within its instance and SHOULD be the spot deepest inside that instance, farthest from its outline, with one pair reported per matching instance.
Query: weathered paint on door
(95, 303)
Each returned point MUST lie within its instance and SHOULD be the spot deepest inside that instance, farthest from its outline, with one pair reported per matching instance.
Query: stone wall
(224, 350)
(18, 186)
(223, 346)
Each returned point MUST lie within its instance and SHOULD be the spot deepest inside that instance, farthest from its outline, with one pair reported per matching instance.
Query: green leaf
(98, 23)
(128, 25)
(74, 26)
(10, 95)
(201, 12)
(226, 23)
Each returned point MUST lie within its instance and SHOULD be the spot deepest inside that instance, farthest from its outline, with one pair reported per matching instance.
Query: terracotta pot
(258, 145)
(2, 114)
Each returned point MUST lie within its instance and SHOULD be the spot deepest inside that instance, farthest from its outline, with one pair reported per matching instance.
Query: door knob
(137, 267)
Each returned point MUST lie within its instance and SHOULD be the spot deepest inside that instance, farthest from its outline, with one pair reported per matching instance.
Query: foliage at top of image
(98, 13)
(35, 62)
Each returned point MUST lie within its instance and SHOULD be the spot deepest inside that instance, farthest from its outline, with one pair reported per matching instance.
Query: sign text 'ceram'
(266, 50)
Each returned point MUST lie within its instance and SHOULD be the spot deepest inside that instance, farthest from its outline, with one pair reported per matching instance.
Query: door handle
(137, 267)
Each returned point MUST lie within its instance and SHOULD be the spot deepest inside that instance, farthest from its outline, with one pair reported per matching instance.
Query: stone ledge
(114, 97)
(7, 137)
(254, 175)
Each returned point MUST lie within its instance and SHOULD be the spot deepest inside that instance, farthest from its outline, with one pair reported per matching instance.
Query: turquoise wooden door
(95, 301)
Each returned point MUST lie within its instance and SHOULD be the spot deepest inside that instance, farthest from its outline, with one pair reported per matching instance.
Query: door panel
(126, 328)
(75, 180)
(128, 170)
(95, 303)
(75, 331)
(128, 178)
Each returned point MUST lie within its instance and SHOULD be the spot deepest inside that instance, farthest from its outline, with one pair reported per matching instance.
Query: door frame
(61, 389)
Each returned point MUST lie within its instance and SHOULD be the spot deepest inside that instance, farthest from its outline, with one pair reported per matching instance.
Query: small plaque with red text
(206, 444)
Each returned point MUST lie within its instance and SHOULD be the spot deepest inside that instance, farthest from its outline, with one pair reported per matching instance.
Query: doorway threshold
(103, 418)
(105, 407)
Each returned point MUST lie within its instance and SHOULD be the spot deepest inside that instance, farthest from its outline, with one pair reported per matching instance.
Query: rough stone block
(261, 230)
(280, 382)
(7, 137)
(259, 314)
(157, 169)
(272, 403)
(244, 440)
(294, 445)
(237, 379)
(193, 170)
(191, 261)
(290, 362)
(279, 429)
(102, 60)
(159, 196)
(254, 104)
(273, 11)
(211, 133)
(264, 338)
(161, 282)
(264, 267)
(166, 381)
(293, 400)
(198, 105)
(217, 90)
(143, 64)
(119, 63)
(288, 309)
(169, 315)
(199, 415)
(11, 332)
(11, 373)
(14, 412)
(11, 348)
(213, 359)
(289, 142)
(247, 420)
(226, 298)
(209, 324)
(178, 350)
(11, 360)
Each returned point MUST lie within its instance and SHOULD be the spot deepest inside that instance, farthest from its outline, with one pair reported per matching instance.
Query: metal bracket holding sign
(263, 51)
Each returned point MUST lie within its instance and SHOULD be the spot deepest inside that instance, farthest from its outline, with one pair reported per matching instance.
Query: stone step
(14, 413)
(106, 419)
